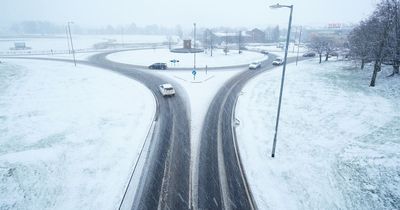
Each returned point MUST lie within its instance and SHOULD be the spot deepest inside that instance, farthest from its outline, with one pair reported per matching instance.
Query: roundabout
(145, 58)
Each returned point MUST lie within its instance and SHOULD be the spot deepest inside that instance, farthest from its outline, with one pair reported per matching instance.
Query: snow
(280, 52)
(59, 42)
(68, 136)
(219, 59)
(338, 141)
(50, 43)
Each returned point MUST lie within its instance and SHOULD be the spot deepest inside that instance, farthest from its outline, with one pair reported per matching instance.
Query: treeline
(49, 28)
(377, 39)
(325, 45)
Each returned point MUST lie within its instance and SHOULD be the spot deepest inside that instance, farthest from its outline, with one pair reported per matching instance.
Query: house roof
(230, 34)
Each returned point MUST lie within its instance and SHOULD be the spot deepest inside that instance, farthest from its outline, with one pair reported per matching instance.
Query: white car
(278, 61)
(255, 65)
(167, 89)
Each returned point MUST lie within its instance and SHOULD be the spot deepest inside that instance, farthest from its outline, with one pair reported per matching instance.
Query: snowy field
(50, 43)
(219, 59)
(59, 42)
(68, 136)
(338, 142)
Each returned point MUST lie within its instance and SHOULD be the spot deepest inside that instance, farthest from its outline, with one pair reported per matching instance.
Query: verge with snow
(338, 141)
(68, 136)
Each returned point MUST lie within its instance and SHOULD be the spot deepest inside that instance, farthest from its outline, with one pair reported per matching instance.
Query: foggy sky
(206, 13)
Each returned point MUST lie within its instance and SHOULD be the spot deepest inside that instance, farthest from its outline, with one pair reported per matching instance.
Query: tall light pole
(277, 6)
(295, 36)
(72, 44)
(68, 40)
(239, 41)
(298, 46)
(194, 46)
(211, 42)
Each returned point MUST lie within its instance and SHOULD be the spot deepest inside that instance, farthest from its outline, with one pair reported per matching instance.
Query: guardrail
(105, 48)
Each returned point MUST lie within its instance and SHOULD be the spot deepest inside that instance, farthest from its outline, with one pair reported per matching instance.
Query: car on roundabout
(255, 65)
(309, 54)
(278, 62)
(161, 66)
(167, 89)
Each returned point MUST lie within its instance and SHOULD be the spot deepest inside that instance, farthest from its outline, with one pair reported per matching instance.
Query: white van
(167, 89)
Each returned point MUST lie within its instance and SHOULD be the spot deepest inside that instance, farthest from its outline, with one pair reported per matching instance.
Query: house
(257, 36)
(20, 46)
(217, 38)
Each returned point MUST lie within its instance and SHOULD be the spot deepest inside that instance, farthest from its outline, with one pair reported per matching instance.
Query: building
(256, 36)
(218, 38)
(20, 46)
(187, 44)
(337, 31)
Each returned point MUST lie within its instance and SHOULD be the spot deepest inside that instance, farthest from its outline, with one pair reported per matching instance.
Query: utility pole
(72, 44)
(66, 31)
(295, 36)
(211, 42)
(239, 41)
(194, 46)
(169, 42)
(122, 36)
(226, 43)
(298, 46)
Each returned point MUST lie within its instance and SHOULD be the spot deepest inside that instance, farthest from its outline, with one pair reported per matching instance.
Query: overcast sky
(206, 13)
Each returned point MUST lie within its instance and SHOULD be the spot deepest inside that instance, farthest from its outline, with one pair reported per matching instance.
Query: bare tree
(330, 46)
(380, 25)
(377, 39)
(359, 42)
(318, 44)
(393, 49)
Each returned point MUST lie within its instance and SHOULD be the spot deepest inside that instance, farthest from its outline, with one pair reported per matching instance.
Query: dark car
(158, 66)
(335, 54)
(310, 54)
(264, 52)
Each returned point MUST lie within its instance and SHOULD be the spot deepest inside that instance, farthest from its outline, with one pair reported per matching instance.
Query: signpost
(174, 61)
(194, 74)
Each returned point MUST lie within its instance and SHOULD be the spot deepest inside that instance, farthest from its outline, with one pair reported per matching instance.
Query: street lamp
(194, 46)
(72, 44)
(277, 6)
(298, 46)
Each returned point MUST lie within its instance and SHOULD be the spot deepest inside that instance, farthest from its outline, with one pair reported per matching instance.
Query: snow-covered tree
(393, 48)
(331, 44)
(378, 38)
(380, 24)
(318, 44)
(359, 44)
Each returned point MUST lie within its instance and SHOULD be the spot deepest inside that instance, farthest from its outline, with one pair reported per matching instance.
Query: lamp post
(68, 40)
(194, 46)
(72, 44)
(298, 46)
(278, 6)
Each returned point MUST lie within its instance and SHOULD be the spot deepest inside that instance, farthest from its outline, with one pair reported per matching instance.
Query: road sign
(194, 74)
